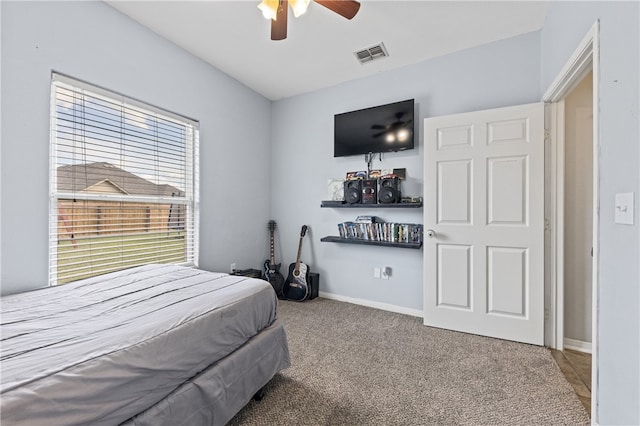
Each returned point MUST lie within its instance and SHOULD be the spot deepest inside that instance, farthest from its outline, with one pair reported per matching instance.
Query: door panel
(454, 279)
(508, 131)
(484, 191)
(507, 280)
(507, 190)
(454, 191)
(454, 137)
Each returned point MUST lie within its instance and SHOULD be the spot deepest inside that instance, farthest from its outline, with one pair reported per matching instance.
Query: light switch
(624, 208)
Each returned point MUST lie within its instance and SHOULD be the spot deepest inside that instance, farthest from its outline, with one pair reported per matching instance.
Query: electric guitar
(296, 286)
(271, 268)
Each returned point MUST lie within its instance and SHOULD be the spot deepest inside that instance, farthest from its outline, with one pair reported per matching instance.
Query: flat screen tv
(381, 128)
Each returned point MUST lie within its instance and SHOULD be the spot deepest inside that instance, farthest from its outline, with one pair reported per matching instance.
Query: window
(123, 183)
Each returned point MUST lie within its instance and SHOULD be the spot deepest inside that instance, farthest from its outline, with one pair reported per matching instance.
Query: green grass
(91, 256)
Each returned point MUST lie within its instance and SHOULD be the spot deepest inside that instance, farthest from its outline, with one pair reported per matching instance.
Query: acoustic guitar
(271, 268)
(296, 286)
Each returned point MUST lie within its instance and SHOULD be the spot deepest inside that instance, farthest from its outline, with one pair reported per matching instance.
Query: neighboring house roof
(93, 176)
(105, 185)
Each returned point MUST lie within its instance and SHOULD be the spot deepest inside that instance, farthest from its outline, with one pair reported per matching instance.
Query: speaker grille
(388, 190)
(353, 191)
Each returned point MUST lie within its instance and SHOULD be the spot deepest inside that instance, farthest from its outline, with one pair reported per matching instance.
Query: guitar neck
(272, 257)
(299, 254)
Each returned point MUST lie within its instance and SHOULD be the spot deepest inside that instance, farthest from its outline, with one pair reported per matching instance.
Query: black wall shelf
(333, 205)
(370, 242)
(338, 205)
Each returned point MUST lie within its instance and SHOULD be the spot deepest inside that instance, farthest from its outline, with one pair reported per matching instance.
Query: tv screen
(382, 128)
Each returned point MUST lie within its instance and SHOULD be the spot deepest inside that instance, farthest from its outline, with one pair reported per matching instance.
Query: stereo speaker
(388, 190)
(314, 285)
(369, 191)
(353, 191)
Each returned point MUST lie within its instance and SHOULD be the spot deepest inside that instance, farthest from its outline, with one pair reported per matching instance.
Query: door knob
(431, 233)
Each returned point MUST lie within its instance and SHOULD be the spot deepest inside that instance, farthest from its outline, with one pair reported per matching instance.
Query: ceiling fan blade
(279, 26)
(346, 8)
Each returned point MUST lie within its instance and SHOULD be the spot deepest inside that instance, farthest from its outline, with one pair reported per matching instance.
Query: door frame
(585, 58)
(554, 225)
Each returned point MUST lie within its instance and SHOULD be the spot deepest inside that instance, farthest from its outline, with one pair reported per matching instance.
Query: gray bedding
(103, 350)
(214, 396)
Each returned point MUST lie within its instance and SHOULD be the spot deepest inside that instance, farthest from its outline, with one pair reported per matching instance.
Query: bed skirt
(215, 395)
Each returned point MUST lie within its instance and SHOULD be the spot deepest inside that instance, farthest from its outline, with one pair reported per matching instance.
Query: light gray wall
(118, 54)
(498, 74)
(578, 211)
(94, 42)
(619, 278)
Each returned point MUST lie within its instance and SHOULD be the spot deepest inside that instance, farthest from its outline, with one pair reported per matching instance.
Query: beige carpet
(353, 365)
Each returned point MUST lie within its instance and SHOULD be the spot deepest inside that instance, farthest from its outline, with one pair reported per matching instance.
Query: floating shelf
(370, 242)
(333, 205)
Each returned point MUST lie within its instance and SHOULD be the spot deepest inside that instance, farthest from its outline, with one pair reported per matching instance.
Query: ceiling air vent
(369, 54)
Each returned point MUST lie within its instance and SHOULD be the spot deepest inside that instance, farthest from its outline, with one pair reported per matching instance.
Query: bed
(151, 345)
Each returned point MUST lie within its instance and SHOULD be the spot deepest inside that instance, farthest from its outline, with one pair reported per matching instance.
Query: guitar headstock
(272, 225)
(303, 231)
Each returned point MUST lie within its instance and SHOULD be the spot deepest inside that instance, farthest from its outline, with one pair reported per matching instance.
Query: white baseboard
(577, 345)
(371, 304)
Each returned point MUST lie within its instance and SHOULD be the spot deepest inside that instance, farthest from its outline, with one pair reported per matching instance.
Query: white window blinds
(123, 183)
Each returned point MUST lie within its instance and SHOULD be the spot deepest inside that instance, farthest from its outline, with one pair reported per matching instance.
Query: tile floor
(576, 367)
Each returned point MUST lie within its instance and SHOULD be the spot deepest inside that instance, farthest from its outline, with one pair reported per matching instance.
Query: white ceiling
(318, 52)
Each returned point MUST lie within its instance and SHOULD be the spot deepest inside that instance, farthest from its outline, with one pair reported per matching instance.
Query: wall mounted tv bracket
(368, 158)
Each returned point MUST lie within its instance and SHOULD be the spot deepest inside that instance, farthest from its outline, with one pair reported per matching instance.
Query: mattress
(102, 350)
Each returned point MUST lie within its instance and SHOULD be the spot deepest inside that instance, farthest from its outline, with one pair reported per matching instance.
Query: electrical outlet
(385, 272)
(232, 268)
(376, 273)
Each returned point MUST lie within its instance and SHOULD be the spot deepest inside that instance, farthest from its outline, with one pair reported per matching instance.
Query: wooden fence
(84, 218)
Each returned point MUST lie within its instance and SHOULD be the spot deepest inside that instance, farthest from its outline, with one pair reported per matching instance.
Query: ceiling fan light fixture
(269, 8)
(299, 7)
(277, 11)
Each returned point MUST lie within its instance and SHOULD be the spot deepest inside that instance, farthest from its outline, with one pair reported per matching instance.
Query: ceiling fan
(277, 11)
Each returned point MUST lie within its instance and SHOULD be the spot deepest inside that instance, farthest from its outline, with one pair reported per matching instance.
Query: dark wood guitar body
(272, 269)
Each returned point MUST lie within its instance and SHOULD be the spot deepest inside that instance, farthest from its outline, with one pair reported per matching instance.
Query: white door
(484, 202)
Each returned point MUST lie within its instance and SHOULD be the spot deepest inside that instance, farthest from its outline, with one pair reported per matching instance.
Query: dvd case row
(382, 231)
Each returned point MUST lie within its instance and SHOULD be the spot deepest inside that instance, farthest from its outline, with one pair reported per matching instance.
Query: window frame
(191, 199)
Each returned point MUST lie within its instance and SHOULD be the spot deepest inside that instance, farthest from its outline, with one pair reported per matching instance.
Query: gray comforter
(101, 350)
